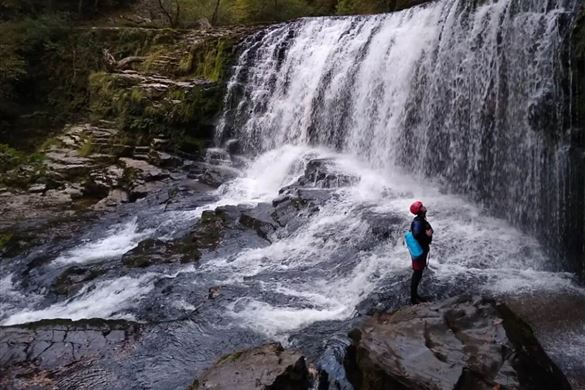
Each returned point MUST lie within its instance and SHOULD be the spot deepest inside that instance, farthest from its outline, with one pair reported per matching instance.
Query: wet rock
(297, 204)
(217, 156)
(266, 367)
(260, 220)
(459, 343)
(218, 175)
(207, 235)
(29, 353)
(73, 278)
(287, 211)
(213, 225)
(152, 251)
(114, 198)
(214, 292)
(164, 160)
(143, 169)
(233, 146)
(384, 225)
(35, 188)
(140, 190)
(321, 173)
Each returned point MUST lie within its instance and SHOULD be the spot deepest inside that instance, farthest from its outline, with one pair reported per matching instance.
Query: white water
(117, 241)
(316, 271)
(107, 299)
(488, 254)
(351, 84)
(472, 95)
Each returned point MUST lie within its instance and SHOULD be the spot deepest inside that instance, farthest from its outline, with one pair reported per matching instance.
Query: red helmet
(416, 207)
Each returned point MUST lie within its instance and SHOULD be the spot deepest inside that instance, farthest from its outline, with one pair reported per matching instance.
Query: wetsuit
(418, 228)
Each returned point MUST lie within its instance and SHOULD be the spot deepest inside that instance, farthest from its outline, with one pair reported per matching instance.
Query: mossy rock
(72, 279)
(174, 110)
(151, 251)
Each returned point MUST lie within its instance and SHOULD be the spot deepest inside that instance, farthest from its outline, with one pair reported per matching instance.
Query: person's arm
(418, 231)
(429, 233)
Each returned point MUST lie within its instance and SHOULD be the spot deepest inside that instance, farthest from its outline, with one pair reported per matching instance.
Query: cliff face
(129, 75)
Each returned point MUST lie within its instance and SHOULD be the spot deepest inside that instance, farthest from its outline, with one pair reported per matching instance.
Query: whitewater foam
(110, 299)
(117, 241)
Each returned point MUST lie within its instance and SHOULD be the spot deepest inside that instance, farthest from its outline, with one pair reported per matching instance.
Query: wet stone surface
(460, 343)
(34, 353)
(265, 367)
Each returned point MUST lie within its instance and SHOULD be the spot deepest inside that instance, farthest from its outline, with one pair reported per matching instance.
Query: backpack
(413, 245)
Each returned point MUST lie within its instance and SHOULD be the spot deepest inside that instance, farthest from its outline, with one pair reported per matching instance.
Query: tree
(171, 9)
(215, 13)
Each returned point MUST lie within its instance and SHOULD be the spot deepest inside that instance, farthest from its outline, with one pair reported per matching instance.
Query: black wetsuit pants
(414, 282)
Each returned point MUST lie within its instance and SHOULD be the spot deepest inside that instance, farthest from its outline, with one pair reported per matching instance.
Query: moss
(176, 110)
(213, 60)
(230, 358)
(186, 63)
(4, 240)
(86, 148)
(18, 169)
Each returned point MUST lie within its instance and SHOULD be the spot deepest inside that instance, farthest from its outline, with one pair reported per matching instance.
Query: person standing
(423, 233)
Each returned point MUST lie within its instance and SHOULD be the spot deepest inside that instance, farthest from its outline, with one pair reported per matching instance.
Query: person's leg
(414, 282)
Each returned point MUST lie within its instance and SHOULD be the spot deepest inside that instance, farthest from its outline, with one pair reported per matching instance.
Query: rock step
(266, 367)
(459, 343)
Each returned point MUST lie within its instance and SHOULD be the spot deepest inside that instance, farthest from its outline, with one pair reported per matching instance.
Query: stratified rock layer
(455, 344)
(36, 355)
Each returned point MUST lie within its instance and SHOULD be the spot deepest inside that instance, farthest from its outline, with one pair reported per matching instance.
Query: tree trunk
(172, 18)
(215, 13)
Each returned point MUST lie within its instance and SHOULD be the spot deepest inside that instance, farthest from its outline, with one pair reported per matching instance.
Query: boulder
(143, 169)
(259, 220)
(215, 176)
(152, 251)
(115, 197)
(321, 173)
(73, 278)
(233, 146)
(460, 343)
(266, 367)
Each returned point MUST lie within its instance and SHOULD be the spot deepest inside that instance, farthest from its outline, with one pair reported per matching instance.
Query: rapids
(449, 103)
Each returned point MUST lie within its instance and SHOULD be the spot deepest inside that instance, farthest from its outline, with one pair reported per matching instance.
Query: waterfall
(472, 95)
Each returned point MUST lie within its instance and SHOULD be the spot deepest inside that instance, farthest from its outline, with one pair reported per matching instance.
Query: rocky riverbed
(200, 259)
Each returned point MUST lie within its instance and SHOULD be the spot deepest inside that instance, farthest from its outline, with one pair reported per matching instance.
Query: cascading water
(467, 93)
(471, 94)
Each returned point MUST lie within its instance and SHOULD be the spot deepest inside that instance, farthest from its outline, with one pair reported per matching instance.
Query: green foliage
(12, 9)
(140, 110)
(10, 158)
(18, 169)
(253, 11)
(350, 7)
(21, 42)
